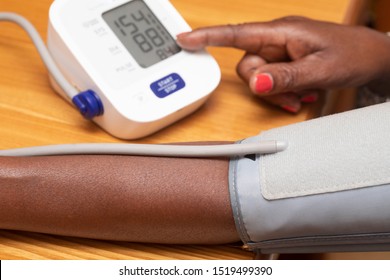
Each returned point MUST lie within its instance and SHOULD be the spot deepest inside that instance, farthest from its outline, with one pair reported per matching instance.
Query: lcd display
(141, 33)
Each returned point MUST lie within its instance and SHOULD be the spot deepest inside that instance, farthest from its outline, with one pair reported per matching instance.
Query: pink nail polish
(309, 98)
(289, 108)
(264, 83)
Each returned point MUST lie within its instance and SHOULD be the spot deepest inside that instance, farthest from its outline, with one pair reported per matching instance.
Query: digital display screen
(141, 33)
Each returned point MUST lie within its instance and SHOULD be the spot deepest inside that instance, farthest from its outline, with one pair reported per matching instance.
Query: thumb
(293, 76)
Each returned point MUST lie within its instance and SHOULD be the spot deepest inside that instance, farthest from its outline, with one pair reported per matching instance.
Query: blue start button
(167, 85)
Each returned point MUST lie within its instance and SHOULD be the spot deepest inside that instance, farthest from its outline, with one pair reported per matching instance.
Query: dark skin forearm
(140, 199)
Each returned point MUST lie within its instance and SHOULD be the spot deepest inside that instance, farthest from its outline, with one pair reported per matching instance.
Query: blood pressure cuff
(328, 191)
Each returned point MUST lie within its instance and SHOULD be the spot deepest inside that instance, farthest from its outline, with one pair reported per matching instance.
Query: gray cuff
(333, 220)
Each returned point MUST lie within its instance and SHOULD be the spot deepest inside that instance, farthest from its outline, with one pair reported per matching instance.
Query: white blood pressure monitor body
(125, 52)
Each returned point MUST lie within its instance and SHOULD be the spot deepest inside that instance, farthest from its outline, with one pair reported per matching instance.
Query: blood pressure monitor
(124, 52)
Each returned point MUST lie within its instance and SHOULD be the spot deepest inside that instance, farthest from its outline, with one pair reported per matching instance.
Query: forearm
(141, 199)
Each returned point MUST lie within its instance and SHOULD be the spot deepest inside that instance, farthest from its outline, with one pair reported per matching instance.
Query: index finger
(250, 37)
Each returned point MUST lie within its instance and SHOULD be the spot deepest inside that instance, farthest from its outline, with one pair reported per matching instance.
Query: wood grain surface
(33, 114)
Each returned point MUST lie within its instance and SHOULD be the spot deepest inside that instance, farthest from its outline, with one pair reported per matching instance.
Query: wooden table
(32, 114)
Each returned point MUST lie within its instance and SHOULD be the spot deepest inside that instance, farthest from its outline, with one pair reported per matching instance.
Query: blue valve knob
(89, 104)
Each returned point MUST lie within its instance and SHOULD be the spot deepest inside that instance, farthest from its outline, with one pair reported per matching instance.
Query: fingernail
(311, 98)
(183, 34)
(180, 36)
(264, 83)
(290, 108)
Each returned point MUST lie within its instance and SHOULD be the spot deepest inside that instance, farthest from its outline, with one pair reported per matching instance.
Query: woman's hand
(287, 61)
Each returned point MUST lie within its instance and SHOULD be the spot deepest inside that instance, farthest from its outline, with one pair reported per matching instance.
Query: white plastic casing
(91, 56)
